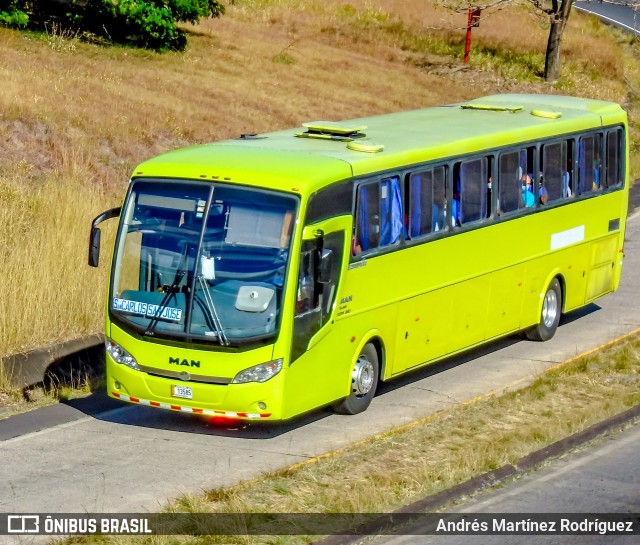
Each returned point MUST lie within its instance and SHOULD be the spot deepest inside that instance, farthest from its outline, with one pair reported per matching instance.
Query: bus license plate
(184, 392)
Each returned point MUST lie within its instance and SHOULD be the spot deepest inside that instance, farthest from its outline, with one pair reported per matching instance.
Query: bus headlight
(120, 355)
(259, 373)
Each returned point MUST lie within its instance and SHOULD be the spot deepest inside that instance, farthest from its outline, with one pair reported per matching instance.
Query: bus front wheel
(550, 314)
(364, 380)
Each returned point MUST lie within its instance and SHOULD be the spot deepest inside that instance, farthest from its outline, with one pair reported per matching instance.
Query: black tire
(550, 314)
(364, 381)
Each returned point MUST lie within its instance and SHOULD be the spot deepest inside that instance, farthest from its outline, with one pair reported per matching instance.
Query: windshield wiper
(217, 324)
(169, 291)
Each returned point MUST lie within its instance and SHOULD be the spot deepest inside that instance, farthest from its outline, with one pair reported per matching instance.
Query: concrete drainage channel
(55, 364)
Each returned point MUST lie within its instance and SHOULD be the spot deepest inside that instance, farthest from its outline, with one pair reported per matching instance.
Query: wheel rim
(550, 308)
(362, 376)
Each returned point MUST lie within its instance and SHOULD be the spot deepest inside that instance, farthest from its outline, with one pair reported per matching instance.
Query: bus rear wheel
(364, 380)
(550, 314)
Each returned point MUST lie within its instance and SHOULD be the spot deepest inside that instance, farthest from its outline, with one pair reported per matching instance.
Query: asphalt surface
(613, 12)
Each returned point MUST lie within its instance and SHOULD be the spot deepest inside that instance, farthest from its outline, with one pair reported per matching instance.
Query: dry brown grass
(76, 118)
(51, 294)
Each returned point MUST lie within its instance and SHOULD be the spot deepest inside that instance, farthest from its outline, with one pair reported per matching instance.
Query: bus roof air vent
(329, 130)
(491, 107)
(366, 146)
(546, 114)
(250, 136)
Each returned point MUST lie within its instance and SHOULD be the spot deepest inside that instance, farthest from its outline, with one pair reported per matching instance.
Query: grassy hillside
(76, 117)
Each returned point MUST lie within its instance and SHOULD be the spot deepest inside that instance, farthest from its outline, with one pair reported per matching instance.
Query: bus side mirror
(94, 247)
(326, 267)
(94, 238)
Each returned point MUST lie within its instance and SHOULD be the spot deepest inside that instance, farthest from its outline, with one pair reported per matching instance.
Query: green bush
(11, 13)
(143, 23)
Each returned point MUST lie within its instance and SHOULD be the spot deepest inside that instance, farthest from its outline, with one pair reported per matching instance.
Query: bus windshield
(202, 262)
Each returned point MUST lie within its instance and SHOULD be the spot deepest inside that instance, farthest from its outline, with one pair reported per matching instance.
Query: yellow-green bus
(269, 275)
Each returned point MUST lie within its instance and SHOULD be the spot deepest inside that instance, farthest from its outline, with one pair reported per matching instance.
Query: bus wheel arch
(550, 311)
(365, 376)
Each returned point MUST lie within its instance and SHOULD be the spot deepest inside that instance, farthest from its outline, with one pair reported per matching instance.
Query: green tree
(555, 12)
(143, 23)
(148, 23)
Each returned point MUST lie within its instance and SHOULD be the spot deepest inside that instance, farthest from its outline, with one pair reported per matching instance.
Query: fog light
(262, 406)
(116, 385)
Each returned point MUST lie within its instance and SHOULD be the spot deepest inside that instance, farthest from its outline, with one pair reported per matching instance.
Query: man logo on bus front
(185, 362)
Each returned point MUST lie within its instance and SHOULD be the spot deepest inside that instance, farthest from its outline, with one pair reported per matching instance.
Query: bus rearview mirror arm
(94, 238)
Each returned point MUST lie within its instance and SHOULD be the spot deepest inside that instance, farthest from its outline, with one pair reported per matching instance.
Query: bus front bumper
(250, 401)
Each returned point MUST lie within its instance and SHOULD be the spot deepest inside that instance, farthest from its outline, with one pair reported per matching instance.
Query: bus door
(315, 372)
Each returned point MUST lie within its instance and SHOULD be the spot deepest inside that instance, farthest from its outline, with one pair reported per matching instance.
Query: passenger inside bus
(528, 198)
(566, 183)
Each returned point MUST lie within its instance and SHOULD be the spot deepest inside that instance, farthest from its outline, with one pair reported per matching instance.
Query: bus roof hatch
(330, 130)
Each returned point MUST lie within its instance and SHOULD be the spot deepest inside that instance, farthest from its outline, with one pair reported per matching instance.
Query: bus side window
(589, 164)
(473, 190)
(614, 159)
(554, 168)
(511, 192)
(379, 216)
(367, 218)
(391, 217)
(439, 197)
(427, 202)
(420, 213)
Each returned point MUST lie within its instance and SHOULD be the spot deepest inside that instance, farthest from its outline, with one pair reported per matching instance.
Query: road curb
(486, 480)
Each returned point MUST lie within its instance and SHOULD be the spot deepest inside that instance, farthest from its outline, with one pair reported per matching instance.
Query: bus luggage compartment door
(424, 326)
(601, 263)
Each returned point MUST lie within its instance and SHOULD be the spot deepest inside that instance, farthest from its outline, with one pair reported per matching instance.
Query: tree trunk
(559, 15)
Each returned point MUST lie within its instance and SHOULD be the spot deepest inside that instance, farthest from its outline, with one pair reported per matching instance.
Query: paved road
(133, 458)
(614, 12)
(601, 477)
